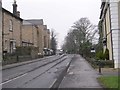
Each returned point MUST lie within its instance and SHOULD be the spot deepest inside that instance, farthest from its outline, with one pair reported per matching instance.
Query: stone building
(46, 37)
(18, 32)
(110, 18)
(11, 29)
(38, 34)
(30, 34)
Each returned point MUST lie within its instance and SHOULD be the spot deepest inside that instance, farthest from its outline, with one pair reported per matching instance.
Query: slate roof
(35, 21)
(26, 22)
(4, 10)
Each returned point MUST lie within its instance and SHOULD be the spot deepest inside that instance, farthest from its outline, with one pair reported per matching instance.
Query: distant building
(36, 34)
(30, 34)
(11, 29)
(110, 18)
(46, 36)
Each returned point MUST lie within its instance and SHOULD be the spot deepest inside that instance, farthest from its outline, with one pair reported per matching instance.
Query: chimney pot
(18, 13)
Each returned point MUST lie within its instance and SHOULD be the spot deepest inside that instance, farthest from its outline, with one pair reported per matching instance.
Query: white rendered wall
(115, 32)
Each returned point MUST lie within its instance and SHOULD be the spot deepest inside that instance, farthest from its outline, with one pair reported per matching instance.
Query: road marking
(61, 81)
(13, 79)
(70, 73)
(67, 63)
(68, 70)
(53, 83)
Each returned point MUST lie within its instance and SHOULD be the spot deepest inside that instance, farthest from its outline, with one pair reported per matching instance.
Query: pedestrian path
(109, 72)
(80, 75)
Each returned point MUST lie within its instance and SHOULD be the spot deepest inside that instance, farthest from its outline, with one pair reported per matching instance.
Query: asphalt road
(39, 74)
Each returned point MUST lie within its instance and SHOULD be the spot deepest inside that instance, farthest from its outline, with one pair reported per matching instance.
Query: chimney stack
(15, 8)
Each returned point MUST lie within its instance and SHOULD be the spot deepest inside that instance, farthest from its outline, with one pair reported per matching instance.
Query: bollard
(100, 66)
(99, 69)
(17, 58)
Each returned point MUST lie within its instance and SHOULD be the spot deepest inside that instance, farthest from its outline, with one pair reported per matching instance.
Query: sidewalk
(80, 75)
(109, 72)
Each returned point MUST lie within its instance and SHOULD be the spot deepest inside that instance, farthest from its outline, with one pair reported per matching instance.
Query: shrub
(109, 63)
(26, 50)
(106, 54)
(100, 55)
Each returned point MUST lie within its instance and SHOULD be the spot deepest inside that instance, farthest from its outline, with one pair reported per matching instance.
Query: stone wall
(8, 35)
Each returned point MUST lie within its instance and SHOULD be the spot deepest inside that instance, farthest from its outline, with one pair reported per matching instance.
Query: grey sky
(57, 14)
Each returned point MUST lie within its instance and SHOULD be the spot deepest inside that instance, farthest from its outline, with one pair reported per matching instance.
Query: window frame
(11, 25)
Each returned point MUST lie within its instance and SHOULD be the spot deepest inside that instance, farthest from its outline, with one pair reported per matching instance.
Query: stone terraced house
(11, 29)
(18, 32)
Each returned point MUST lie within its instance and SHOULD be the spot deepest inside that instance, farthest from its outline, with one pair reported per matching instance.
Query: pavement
(80, 75)
(109, 72)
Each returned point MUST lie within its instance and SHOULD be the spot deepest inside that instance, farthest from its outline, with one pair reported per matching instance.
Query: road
(39, 74)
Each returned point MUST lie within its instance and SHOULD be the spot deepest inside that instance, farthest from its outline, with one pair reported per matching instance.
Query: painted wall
(108, 33)
(115, 32)
(119, 33)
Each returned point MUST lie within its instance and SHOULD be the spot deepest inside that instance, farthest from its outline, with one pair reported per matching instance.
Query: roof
(26, 22)
(35, 21)
(102, 7)
(4, 10)
(45, 27)
(48, 31)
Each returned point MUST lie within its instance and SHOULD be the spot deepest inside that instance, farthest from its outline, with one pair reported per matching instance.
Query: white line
(13, 79)
(67, 64)
(61, 81)
(68, 70)
(53, 83)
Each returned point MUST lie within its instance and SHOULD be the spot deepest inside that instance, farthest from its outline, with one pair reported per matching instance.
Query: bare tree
(80, 36)
(53, 41)
(84, 28)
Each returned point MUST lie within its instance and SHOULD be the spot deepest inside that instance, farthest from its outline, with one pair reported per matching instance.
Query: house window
(12, 46)
(45, 41)
(10, 25)
(6, 45)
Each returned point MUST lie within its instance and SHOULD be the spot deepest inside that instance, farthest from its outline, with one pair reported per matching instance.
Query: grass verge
(110, 82)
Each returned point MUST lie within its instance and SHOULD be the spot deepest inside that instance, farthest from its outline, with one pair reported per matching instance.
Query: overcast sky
(57, 14)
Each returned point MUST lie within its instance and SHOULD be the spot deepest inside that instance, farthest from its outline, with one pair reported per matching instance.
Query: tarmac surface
(80, 74)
